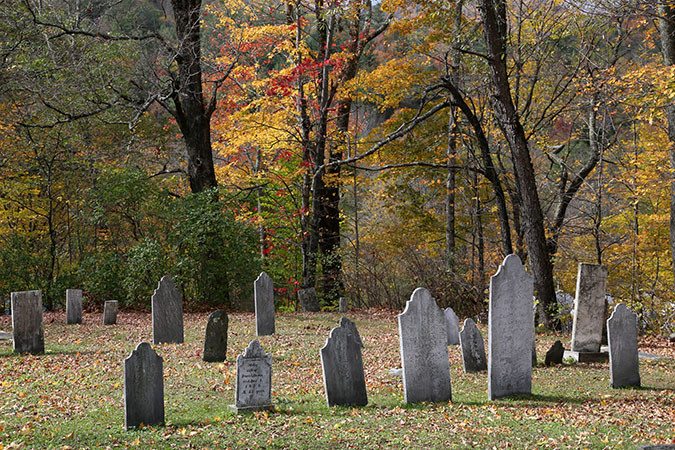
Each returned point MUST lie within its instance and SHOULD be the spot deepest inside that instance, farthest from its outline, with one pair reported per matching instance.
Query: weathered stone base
(248, 409)
(587, 356)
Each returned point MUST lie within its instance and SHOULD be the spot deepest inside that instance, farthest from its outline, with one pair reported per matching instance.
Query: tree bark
(493, 15)
(192, 114)
(667, 37)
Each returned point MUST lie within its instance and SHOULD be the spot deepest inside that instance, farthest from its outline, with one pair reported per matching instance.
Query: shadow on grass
(12, 354)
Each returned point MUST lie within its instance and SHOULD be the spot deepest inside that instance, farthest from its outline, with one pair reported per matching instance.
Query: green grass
(72, 396)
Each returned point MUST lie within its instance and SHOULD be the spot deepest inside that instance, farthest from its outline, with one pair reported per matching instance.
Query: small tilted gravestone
(263, 291)
(215, 341)
(143, 387)
(73, 306)
(589, 313)
(622, 328)
(510, 330)
(473, 348)
(27, 327)
(343, 307)
(110, 308)
(423, 340)
(308, 300)
(452, 324)
(343, 379)
(167, 313)
(254, 380)
(555, 354)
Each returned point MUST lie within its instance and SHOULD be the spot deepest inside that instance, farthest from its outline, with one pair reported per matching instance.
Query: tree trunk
(192, 114)
(667, 34)
(493, 14)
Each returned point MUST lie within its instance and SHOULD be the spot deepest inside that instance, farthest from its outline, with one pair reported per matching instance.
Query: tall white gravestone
(589, 308)
(622, 331)
(343, 379)
(143, 387)
(263, 291)
(73, 306)
(167, 313)
(27, 326)
(423, 339)
(510, 330)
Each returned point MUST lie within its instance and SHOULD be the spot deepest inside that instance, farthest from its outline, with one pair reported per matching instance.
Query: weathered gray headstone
(624, 367)
(4, 336)
(473, 348)
(452, 324)
(423, 341)
(73, 306)
(554, 355)
(343, 379)
(510, 330)
(589, 308)
(167, 313)
(344, 305)
(143, 387)
(308, 300)
(254, 380)
(110, 308)
(27, 327)
(534, 352)
(263, 291)
(215, 341)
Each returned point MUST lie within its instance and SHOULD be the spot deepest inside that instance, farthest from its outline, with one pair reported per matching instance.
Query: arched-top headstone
(622, 330)
(73, 306)
(452, 324)
(27, 326)
(473, 348)
(263, 291)
(143, 387)
(167, 313)
(589, 308)
(215, 341)
(423, 341)
(510, 330)
(253, 390)
(343, 378)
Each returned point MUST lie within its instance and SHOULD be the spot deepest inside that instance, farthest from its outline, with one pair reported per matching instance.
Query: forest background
(362, 148)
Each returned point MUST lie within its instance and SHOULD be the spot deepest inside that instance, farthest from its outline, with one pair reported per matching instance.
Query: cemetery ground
(72, 396)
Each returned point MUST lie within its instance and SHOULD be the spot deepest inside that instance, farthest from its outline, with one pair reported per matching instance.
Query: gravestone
(452, 326)
(510, 330)
(143, 387)
(4, 336)
(253, 390)
(344, 305)
(110, 312)
(473, 348)
(27, 327)
(534, 352)
(622, 327)
(589, 313)
(423, 339)
(555, 354)
(167, 313)
(263, 291)
(343, 379)
(73, 306)
(308, 300)
(215, 341)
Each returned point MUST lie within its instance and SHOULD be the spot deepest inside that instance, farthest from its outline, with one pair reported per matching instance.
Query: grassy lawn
(72, 396)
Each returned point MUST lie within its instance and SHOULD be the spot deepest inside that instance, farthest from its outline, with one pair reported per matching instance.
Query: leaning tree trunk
(493, 14)
(193, 115)
(667, 34)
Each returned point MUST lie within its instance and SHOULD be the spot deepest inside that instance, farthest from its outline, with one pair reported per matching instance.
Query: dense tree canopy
(361, 148)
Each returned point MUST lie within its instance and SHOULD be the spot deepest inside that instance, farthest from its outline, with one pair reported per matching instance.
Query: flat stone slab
(5, 336)
(396, 372)
(248, 409)
(423, 340)
(510, 330)
(643, 355)
(587, 357)
(657, 447)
